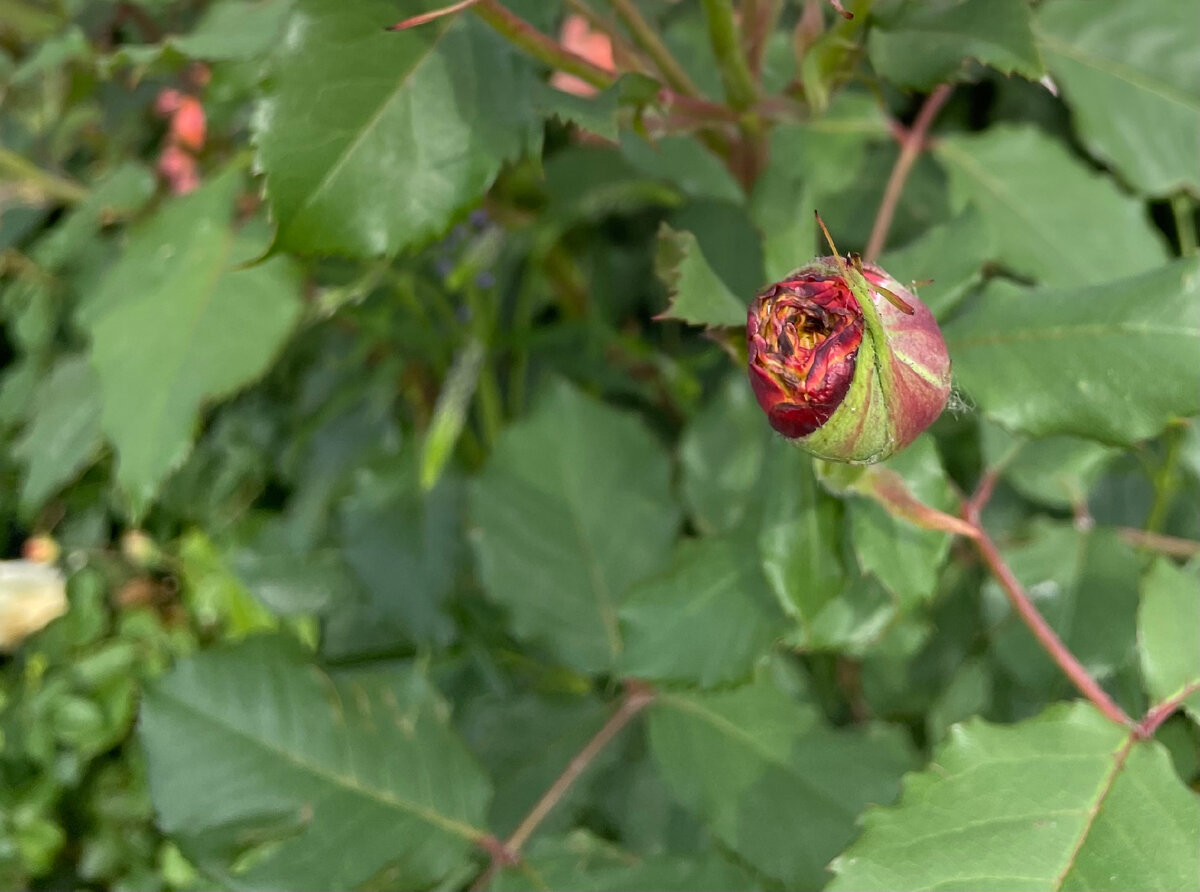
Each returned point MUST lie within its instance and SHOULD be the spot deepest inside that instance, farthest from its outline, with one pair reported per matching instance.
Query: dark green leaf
(928, 42)
(768, 779)
(1085, 585)
(64, 434)
(371, 139)
(706, 621)
(585, 863)
(1113, 363)
(333, 780)
(545, 514)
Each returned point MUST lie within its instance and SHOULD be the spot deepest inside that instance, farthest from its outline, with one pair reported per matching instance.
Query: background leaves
(379, 400)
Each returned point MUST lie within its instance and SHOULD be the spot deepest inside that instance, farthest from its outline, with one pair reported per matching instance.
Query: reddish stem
(1019, 599)
(638, 695)
(911, 145)
(1163, 711)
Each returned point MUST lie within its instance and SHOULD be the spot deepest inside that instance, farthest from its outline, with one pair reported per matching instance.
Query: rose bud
(845, 362)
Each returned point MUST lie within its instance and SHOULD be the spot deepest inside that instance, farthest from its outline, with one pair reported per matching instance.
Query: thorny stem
(647, 38)
(638, 695)
(910, 149)
(1163, 711)
(740, 88)
(1018, 598)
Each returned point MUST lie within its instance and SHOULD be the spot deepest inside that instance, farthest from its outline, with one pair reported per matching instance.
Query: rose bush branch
(1020, 602)
(912, 144)
(638, 695)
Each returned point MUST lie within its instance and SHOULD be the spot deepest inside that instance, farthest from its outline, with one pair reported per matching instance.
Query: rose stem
(911, 147)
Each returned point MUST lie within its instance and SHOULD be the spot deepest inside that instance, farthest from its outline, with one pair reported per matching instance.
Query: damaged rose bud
(845, 362)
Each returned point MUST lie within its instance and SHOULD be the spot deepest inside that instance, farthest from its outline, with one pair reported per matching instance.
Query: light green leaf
(928, 42)
(1085, 585)
(952, 255)
(586, 863)
(1067, 800)
(573, 508)
(698, 296)
(1167, 621)
(334, 780)
(1050, 216)
(63, 436)
(1131, 75)
(706, 621)
(177, 321)
(1113, 363)
(768, 778)
(372, 139)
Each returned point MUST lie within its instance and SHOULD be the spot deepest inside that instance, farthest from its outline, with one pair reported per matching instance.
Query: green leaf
(586, 863)
(904, 557)
(707, 620)
(372, 140)
(573, 508)
(1055, 471)
(1050, 216)
(1085, 586)
(178, 321)
(697, 294)
(63, 437)
(928, 42)
(503, 729)
(332, 780)
(808, 164)
(769, 780)
(952, 255)
(1113, 363)
(235, 30)
(800, 539)
(722, 451)
(683, 161)
(1130, 73)
(1167, 620)
(1067, 800)
(404, 546)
